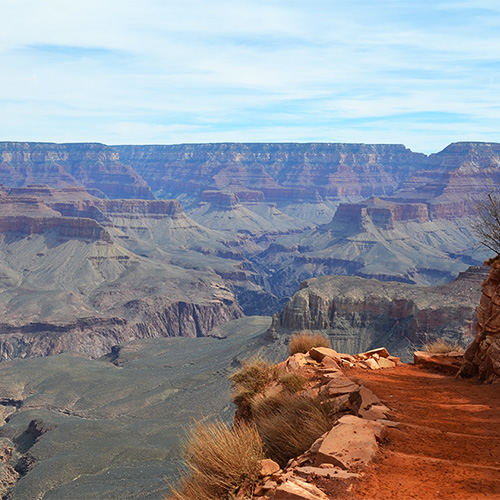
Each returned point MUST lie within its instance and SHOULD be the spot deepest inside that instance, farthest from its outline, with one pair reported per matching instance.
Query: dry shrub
(302, 342)
(219, 460)
(289, 424)
(292, 382)
(252, 379)
(441, 346)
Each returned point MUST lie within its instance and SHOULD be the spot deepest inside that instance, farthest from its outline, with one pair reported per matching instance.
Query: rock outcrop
(344, 450)
(482, 357)
(95, 166)
(358, 314)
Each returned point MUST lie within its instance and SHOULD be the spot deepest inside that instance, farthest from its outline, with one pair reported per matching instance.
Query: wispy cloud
(420, 73)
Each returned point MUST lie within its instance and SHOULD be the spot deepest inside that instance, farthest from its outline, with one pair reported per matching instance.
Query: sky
(420, 73)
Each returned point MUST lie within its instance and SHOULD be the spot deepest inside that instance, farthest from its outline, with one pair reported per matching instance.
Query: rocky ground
(438, 436)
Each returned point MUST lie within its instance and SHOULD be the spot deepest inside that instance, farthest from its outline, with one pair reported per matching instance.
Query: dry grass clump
(441, 346)
(302, 342)
(252, 379)
(219, 460)
(289, 424)
(292, 382)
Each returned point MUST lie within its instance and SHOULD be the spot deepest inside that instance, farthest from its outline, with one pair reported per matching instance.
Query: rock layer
(359, 314)
(482, 357)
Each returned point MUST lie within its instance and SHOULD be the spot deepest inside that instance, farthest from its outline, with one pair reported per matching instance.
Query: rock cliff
(482, 357)
(94, 166)
(282, 172)
(358, 314)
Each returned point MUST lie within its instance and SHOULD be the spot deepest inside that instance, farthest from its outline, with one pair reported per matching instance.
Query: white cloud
(288, 69)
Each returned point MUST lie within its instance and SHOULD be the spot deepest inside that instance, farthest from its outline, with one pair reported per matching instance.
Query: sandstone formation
(359, 314)
(373, 239)
(482, 357)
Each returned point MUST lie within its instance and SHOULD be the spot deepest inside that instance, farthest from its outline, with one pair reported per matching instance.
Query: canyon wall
(358, 314)
(95, 166)
(282, 172)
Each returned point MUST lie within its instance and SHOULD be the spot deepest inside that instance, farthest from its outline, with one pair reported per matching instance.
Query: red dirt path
(447, 445)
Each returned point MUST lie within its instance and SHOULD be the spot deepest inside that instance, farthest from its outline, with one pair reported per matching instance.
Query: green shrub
(219, 460)
(303, 342)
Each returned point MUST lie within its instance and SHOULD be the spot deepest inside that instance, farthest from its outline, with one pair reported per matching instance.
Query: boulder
(268, 467)
(348, 446)
(318, 353)
(386, 363)
(370, 363)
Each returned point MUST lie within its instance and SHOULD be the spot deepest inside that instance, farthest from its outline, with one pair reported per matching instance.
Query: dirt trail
(447, 445)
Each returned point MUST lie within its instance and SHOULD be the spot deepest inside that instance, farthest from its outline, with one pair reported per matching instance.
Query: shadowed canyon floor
(447, 445)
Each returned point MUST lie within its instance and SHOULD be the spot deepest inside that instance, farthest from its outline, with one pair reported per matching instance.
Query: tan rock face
(482, 358)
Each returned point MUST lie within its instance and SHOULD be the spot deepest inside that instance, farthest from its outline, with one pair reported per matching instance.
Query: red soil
(447, 445)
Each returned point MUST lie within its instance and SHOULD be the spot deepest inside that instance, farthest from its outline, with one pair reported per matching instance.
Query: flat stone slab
(297, 489)
(348, 445)
(438, 362)
(340, 385)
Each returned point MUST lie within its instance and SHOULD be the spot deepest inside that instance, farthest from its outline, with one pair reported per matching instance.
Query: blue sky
(422, 73)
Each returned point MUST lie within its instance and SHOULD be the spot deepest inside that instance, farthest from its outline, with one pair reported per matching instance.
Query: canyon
(134, 279)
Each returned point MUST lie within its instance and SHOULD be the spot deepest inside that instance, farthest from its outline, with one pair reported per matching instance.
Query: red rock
(268, 467)
(348, 445)
(386, 363)
(482, 357)
(381, 351)
(319, 353)
(437, 362)
(370, 363)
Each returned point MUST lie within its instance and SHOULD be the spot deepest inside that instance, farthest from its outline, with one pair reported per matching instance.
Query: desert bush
(302, 342)
(289, 424)
(441, 346)
(292, 382)
(249, 381)
(218, 459)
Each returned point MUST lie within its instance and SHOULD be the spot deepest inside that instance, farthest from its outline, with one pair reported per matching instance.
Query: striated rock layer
(282, 172)
(482, 357)
(95, 166)
(359, 314)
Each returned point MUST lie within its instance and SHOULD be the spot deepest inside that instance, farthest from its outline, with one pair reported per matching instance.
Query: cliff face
(83, 274)
(94, 166)
(456, 176)
(282, 172)
(482, 357)
(358, 314)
